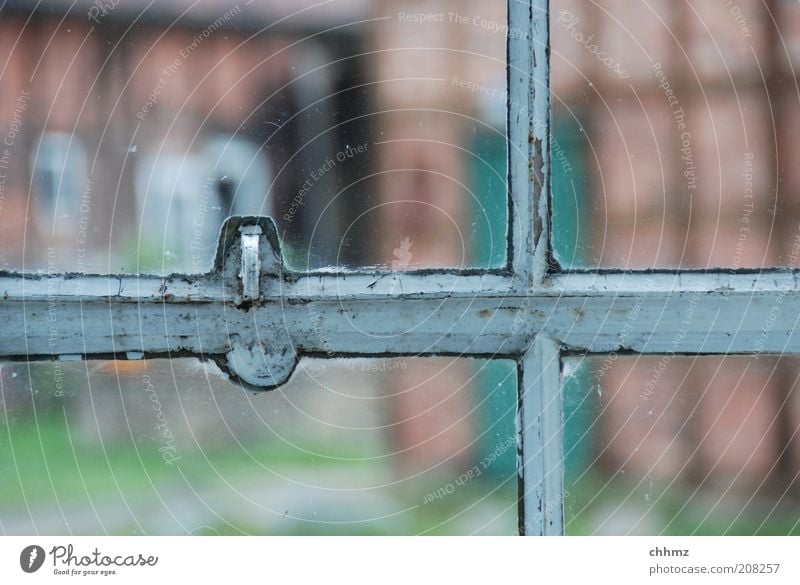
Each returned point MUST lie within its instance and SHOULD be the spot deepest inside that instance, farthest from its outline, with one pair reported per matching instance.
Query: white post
(542, 451)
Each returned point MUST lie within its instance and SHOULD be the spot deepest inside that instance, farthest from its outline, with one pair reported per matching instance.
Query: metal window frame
(257, 323)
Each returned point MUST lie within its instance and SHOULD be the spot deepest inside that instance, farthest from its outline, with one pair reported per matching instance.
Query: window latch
(249, 260)
(250, 265)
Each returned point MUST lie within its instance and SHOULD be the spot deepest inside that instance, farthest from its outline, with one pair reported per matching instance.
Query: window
(254, 318)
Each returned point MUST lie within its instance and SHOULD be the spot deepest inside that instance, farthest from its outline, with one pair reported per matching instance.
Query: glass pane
(682, 445)
(675, 131)
(362, 446)
(373, 132)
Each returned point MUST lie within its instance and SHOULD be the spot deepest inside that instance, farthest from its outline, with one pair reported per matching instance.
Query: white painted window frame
(257, 323)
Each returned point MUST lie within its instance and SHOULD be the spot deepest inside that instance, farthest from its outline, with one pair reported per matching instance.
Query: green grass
(38, 461)
(40, 466)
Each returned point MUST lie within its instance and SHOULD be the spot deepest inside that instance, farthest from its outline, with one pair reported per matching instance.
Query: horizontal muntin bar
(761, 318)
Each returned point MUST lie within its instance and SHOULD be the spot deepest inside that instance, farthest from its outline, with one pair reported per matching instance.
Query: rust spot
(579, 312)
(484, 313)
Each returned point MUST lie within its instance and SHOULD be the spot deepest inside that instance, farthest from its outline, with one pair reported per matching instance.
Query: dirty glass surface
(682, 445)
(374, 133)
(358, 446)
(675, 133)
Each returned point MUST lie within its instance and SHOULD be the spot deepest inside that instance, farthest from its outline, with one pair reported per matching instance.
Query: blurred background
(374, 133)
(675, 138)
